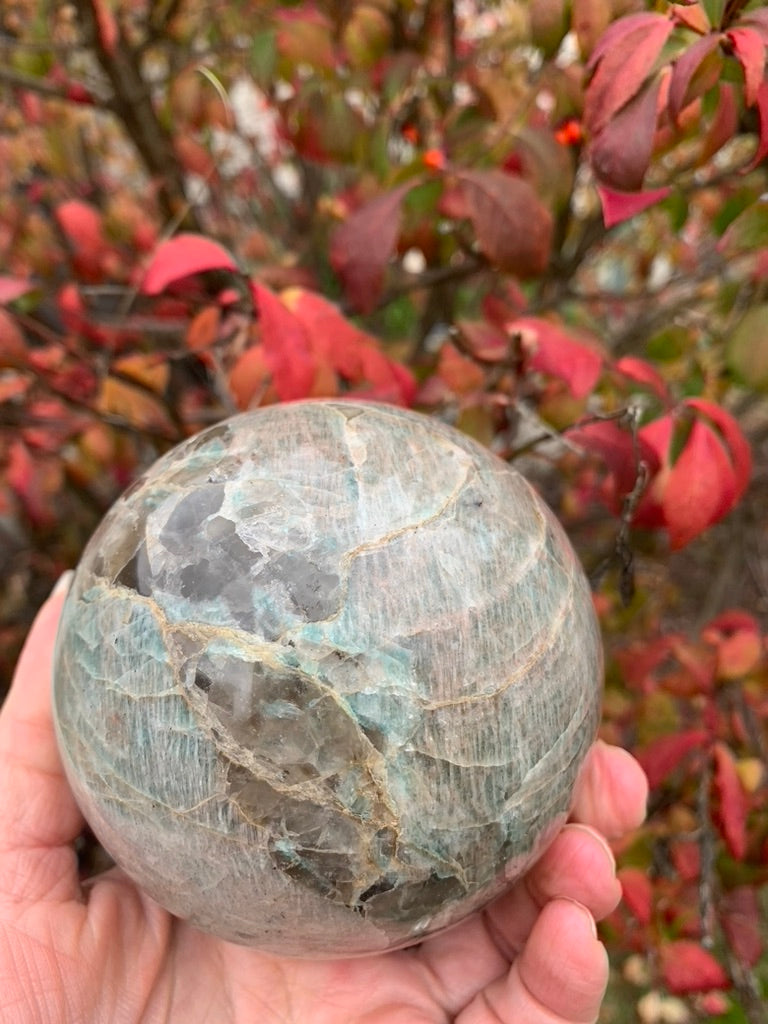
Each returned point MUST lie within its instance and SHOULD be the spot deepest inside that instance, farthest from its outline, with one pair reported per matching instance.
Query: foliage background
(544, 222)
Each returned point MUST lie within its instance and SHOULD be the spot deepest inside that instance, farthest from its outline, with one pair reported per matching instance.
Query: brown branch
(132, 104)
(72, 92)
(161, 17)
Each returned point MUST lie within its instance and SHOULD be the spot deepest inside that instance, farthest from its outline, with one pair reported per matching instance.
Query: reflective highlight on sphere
(325, 678)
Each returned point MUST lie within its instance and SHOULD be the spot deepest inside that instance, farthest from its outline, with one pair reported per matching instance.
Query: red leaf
(620, 154)
(81, 223)
(12, 288)
(749, 49)
(724, 123)
(363, 245)
(758, 21)
(685, 69)
(736, 636)
(623, 58)
(513, 227)
(347, 351)
(737, 444)
(182, 257)
(484, 340)
(686, 857)
(617, 31)
(686, 967)
(699, 488)
(13, 347)
(732, 816)
(615, 448)
(761, 99)
(733, 621)
(661, 757)
(644, 373)
(637, 893)
(741, 919)
(620, 206)
(550, 350)
(34, 481)
(286, 346)
(106, 24)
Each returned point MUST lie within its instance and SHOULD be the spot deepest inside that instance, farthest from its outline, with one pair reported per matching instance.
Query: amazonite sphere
(325, 678)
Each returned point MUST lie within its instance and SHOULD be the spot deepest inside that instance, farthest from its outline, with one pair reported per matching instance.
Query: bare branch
(132, 104)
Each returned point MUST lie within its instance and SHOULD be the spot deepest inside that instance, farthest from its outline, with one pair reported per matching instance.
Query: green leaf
(263, 58)
(749, 231)
(714, 10)
(730, 209)
(747, 349)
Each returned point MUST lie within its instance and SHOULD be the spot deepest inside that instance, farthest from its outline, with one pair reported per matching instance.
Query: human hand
(102, 952)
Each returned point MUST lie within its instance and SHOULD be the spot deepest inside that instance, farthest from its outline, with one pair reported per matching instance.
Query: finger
(559, 978)
(577, 866)
(612, 791)
(39, 819)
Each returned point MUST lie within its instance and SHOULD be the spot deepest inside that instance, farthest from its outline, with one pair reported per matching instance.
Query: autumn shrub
(545, 223)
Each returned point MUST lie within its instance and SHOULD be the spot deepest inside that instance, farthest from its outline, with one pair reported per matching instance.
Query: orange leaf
(203, 329)
(458, 373)
(733, 808)
(133, 404)
(346, 350)
(151, 370)
(250, 378)
(739, 645)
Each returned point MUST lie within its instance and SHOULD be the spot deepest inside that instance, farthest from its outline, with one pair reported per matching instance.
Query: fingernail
(587, 915)
(63, 583)
(599, 838)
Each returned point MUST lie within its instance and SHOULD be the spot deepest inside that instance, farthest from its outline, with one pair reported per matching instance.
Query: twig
(73, 92)
(132, 104)
(707, 854)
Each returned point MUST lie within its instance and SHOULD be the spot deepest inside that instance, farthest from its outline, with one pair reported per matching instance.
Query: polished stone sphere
(325, 678)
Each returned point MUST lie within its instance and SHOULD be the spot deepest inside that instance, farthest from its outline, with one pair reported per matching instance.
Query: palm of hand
(103, 951)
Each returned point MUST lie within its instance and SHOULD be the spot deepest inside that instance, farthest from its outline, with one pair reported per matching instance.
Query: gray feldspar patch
(325, 678)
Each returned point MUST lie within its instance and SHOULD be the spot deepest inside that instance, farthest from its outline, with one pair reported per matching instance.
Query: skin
(74, 952)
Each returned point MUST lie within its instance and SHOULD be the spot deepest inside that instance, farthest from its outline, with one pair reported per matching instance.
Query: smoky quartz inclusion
(325, 678)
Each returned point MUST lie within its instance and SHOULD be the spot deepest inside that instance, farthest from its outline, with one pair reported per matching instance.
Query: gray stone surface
(325, 678)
